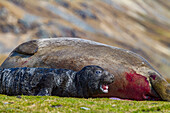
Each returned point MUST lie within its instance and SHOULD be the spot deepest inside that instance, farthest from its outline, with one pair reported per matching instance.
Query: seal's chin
(104, 88)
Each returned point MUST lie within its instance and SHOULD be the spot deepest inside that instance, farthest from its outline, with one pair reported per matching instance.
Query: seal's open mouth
(104, 88)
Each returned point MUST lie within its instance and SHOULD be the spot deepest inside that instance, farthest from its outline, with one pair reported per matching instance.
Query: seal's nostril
(112, 78)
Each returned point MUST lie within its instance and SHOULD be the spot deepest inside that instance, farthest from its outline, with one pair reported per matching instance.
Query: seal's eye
(98, 72)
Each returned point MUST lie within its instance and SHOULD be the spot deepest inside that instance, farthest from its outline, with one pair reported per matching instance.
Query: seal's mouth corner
(104, 88)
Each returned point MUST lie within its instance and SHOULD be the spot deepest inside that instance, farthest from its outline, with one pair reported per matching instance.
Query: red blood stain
(136, 87)
(153, 76)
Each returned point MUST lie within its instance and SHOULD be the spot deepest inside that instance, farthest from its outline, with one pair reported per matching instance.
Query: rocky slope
(138, 25)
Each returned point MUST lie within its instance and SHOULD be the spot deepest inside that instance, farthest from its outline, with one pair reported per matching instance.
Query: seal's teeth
(104, 88)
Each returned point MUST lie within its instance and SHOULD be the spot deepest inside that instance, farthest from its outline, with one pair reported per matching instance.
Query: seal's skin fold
(59, 82)
(131, 71)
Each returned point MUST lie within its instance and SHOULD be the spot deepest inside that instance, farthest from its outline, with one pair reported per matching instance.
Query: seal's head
(95, 79)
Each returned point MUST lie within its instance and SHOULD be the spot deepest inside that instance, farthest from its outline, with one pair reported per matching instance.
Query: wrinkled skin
(58, 82)
(133, 74)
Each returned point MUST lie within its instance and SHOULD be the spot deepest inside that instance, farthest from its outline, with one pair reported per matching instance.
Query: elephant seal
(59, 82)
(135, 78)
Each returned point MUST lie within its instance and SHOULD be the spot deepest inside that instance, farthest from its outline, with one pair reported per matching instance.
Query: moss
(63, 104)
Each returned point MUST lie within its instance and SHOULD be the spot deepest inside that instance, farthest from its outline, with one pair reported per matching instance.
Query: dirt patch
(2, 58)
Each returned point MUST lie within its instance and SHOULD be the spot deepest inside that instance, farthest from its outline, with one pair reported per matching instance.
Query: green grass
(66, 105)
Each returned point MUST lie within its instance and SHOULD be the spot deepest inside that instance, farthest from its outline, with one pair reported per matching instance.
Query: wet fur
(60, 82)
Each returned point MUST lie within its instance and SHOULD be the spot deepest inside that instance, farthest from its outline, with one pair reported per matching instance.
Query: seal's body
(132, 72)
(60, 82)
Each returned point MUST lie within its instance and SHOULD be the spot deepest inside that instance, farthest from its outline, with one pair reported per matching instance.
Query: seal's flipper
(27, 48)
(45, 92)
(161, 86)
(24, 50)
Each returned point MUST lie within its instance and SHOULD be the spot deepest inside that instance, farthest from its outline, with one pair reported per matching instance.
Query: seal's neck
(81, 84)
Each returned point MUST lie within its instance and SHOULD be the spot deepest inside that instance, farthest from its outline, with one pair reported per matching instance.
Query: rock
(85, 108)
(24, 23)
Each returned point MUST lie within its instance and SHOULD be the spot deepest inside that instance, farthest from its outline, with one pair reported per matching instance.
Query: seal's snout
(108, 78)
(112, 78)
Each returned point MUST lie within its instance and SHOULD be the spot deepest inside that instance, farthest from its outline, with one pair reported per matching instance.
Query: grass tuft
(64, 104)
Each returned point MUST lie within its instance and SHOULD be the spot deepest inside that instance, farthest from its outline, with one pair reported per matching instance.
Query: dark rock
(56, 106)
(19, 96)
(69, 32)
(18, 2)
(9, 28)
(35, 25)
(3, 13)
(24, 23)
(85, 14)
(63, 3)
(42, 34)
(80, 13)
(4, 28)
(93, 17)
(84, 5)
(73, 32)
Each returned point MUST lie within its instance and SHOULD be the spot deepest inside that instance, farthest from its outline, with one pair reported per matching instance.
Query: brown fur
(73, 53)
